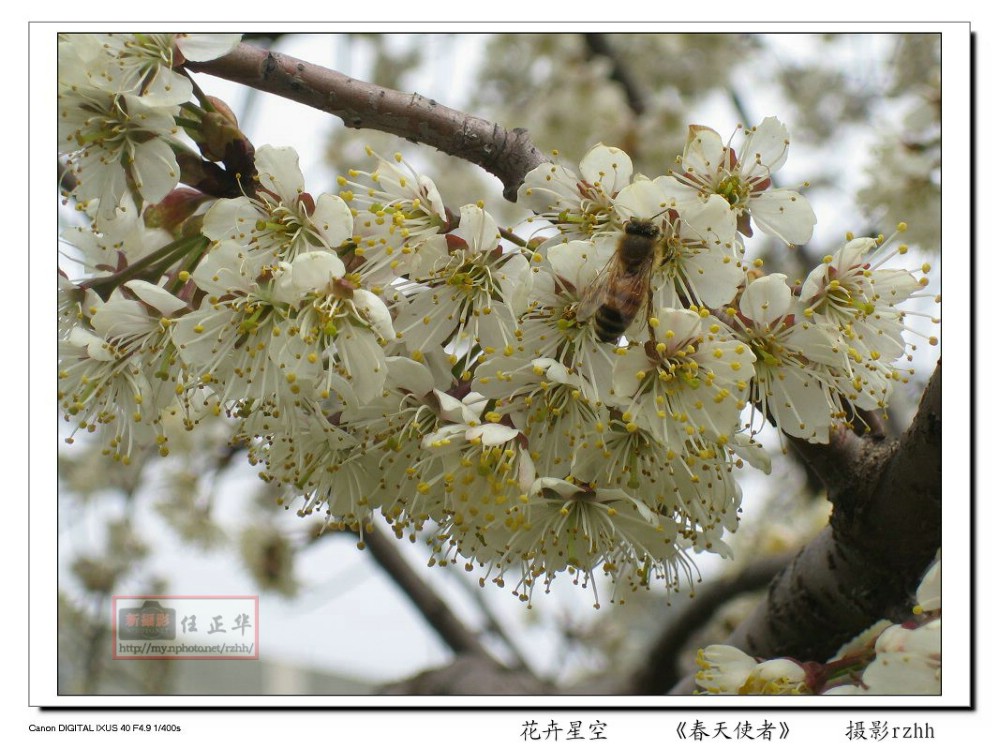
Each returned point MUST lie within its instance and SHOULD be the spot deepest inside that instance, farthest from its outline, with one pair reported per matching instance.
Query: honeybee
(615, 297)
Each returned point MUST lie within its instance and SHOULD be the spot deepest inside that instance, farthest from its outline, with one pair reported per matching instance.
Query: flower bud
(171, 212)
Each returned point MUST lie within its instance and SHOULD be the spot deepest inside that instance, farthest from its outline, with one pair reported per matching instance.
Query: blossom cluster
(380, 353)
(886, 659)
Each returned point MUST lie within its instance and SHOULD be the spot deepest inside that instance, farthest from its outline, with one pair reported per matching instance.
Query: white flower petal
(427, 256)
(406, 375)
(155, 169)
(230, 218)
(819, 343)
(928, 594)
(373, 308)
(333, 219)
(629, 370)
(555, 371)
(714, 277)
(364, 359)
(800, 406)
(516, 282)
(725, 669)
(704, 152)
(222, 270)
(682, 196)
(156, 296)
(608, 167)
(765, 149)
(450, 407)
(766, 299)
(202, 47)
(901, 674)
(925, 639)
(280, 173)
(712, 220)
(96, 346)
(195, 334)
(291, 353)
(642, 200)
(782, 670)
(549, 186)
(313, 271)
(120, 317)
(785, 214)
(492, 434)
(478, 229)
(748, 449)
(894, 285)
(683, 326)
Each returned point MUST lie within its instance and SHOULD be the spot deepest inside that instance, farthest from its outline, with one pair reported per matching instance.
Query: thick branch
(508, 154)
(884, 532)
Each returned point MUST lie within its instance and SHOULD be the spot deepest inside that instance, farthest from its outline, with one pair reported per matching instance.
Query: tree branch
(508, 154)
(884, 532)
(473, 671)
(599, 44)
(493, 625)
(434, 609)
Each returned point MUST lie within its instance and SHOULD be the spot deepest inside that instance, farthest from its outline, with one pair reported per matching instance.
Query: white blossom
(399, 223)
(582, 205)
(692, 380)
(799, 364)
(472, 300)
(281, 220)
(744, 179)
(854, 292)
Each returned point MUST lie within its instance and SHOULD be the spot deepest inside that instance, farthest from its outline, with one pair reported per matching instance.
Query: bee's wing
(594, 293)
(636, 282)
(616, 284)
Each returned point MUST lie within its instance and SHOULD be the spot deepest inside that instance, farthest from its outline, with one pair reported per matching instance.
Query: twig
(598, 44)
(508, 154)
